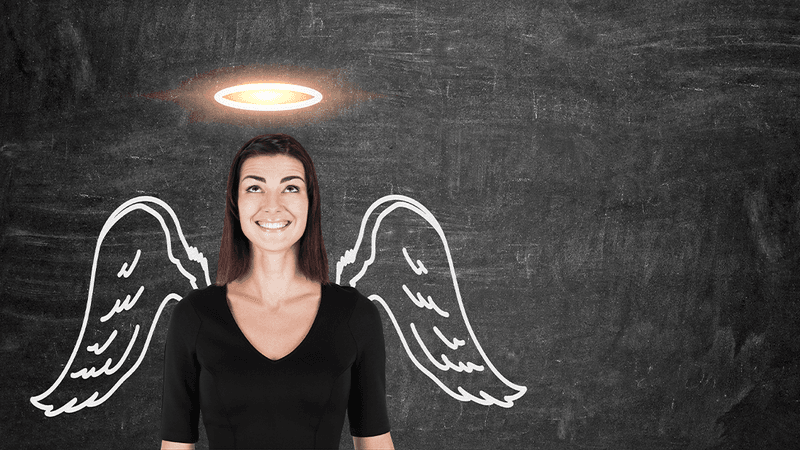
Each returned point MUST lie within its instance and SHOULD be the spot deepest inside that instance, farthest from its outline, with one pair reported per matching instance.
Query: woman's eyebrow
(283, 180)
(292, 177)
(263, 180)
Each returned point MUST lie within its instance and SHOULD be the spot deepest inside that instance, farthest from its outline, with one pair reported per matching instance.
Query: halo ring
(316, 96)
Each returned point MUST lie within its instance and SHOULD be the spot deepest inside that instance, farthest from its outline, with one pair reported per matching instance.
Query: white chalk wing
(141, 262)
(402, 261)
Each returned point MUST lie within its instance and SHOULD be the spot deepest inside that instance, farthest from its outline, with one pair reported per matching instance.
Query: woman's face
(273, 202)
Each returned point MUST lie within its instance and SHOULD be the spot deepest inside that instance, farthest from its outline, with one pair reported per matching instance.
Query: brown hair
(234, 249)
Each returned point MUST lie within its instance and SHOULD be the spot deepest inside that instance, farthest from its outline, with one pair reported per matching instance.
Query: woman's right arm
(169, 445)
(180, 408)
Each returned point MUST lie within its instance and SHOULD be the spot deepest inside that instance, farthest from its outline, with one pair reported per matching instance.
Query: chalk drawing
(83, 361)
(391, 294)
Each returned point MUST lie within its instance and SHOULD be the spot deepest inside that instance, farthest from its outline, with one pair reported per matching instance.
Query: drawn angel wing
(406, 267)
(140, 261)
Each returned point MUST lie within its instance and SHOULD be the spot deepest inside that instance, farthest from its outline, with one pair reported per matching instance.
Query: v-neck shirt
(238, 325)
(251, 401)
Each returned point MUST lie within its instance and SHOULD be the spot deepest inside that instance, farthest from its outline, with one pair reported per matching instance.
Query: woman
(273, 353)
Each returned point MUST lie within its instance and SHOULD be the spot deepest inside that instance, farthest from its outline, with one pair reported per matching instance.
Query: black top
(250, 401)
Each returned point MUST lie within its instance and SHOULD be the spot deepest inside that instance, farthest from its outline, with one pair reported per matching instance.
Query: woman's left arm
(383, 441)
(367, 410)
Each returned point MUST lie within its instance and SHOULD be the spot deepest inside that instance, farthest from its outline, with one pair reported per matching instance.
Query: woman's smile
(273, 225)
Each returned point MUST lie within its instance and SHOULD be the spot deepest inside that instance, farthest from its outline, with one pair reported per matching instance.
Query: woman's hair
(234, 249)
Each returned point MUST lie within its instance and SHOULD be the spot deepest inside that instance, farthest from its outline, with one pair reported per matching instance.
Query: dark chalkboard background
(618, 182)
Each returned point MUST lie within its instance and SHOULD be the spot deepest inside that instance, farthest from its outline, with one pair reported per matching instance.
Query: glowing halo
(196, 95)
(268, 97)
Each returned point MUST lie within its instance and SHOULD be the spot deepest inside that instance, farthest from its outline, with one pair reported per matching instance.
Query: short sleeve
(180, 407)
(366, 408)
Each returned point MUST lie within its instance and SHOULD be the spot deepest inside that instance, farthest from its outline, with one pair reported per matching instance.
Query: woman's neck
(273, 278)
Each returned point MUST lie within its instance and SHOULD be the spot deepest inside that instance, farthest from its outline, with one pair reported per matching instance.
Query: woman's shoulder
(188, 315)
(200, 301)
(362, 310)
(210, 292)
(345, 295)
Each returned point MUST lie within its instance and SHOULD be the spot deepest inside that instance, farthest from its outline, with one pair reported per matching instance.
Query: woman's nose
(271, 202)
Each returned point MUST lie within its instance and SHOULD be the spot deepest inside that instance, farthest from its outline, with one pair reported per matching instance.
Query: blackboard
(610, 188)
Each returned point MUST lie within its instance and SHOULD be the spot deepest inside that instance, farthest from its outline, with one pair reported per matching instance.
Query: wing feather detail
(107, 369)
(455, 342)
(125, 305)
(422, 302)
(417, 267)
(445, 365)
(126, 271)
(458, 394)
(97, 349)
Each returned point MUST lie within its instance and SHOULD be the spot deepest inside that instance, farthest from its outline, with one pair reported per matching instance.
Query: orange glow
(313, 95)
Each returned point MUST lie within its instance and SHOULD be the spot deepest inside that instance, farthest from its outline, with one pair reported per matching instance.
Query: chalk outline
(349, 257)
(134, 204)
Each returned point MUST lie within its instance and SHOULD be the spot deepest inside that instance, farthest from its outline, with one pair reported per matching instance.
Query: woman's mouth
(273, 225)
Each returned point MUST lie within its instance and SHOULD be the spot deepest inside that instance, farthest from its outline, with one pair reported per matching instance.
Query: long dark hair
(234, 249)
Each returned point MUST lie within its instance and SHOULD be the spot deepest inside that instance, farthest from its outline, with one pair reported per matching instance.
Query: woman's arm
(169, 445)
(180, 409)
(382, 442)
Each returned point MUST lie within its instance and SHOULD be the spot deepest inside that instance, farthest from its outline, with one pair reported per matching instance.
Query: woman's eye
(292, 189)
(253, 189)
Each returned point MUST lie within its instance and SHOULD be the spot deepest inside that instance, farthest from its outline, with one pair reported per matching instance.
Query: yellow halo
(268, 97)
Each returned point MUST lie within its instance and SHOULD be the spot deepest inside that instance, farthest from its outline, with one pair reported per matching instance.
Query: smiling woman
(274, 354)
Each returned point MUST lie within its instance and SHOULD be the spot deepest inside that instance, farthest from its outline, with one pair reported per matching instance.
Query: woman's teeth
(273, 225)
